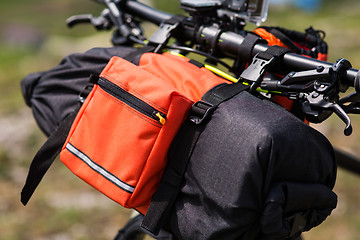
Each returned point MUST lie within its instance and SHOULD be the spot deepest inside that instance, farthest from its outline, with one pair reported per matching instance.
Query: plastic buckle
(162, 35)
(201, 111)
(256, 71)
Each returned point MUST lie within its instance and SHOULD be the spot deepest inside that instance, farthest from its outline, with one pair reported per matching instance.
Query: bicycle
(316, 84)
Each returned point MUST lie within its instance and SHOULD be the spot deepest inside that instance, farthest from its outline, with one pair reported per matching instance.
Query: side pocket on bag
(118, 134)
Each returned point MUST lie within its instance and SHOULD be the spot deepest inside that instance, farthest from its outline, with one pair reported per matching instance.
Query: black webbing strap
(271, 59)
(196, 63)
(46, 156)
(276, 53)
(247, 46)
(223, 92)
(180, 152)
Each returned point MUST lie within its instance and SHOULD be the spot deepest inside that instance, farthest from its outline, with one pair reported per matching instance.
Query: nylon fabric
(54, 93)
(248, 145)
(111, 117)
(127, 143)
(193, 83)
(313, 201)
(107, 128)
(180, 152)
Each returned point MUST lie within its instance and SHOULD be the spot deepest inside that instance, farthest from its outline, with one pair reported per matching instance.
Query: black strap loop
(275, 52)
(46, 156)
(247, 46)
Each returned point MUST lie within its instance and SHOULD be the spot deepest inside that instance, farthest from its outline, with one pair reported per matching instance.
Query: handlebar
(313, 83)
(148, 13)
(228, 43)
(318, 99)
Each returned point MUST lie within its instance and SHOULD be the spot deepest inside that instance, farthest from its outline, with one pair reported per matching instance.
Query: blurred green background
(34, 37)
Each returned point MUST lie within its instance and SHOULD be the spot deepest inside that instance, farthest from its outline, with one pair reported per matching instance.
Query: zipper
(131, 100)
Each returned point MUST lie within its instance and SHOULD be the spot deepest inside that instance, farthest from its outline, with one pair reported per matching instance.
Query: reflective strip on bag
(97, 168)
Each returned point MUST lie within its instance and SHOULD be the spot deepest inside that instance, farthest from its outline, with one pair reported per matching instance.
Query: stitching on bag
(138, 95)
(146, 118)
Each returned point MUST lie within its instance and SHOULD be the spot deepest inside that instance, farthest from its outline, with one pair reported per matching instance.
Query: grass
(64, 207)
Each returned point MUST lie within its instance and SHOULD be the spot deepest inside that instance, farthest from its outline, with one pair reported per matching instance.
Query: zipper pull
(161, 118)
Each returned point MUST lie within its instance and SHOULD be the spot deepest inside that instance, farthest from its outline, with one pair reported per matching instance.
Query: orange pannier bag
(119, 139)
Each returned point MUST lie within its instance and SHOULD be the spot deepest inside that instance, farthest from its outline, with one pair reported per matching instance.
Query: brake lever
(100, 23)
(316, 100)
(339, 111)
(74, 20)
(322, 100)
(127, 30)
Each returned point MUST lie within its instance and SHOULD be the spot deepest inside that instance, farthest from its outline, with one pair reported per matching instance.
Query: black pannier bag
(255, 172)
(54, 93)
